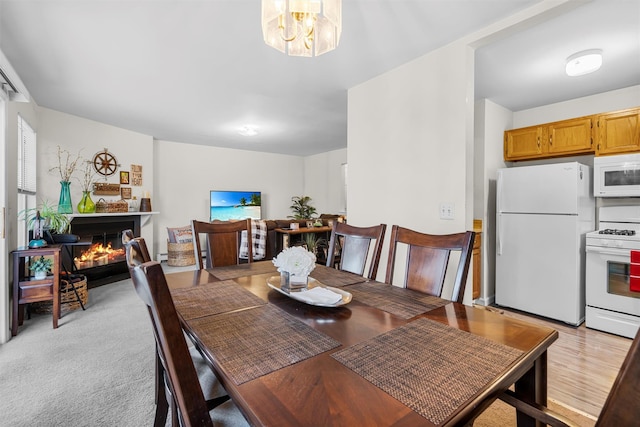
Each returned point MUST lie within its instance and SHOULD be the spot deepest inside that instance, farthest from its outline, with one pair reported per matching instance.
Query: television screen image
(227, 205)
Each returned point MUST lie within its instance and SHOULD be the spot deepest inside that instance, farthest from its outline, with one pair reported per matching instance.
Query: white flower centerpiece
(294, 264)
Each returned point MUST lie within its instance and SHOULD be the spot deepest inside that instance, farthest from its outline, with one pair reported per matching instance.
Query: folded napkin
(319, 295)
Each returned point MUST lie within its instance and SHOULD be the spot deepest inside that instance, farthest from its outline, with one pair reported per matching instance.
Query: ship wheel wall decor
(105, 163)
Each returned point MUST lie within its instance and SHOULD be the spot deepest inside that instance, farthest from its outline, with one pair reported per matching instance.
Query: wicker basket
(180, 254)
(68, 300)
(102, 206)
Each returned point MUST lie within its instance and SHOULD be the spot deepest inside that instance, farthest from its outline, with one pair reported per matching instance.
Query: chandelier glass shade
(302, 27)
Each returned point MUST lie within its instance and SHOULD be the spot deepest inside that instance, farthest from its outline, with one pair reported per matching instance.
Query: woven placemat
(430, 367)
(213, 298)
(257, 341)
(336, 278)
(235, 271)
(404, 303)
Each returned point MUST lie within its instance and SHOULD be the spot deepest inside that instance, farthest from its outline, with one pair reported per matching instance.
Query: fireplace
(101, 256)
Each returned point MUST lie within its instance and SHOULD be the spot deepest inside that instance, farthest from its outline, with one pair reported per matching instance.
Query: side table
(27, 290)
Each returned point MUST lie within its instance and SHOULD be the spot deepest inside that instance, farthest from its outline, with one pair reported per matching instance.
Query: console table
(27, 290)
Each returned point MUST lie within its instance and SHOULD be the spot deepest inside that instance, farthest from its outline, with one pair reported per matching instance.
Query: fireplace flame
(98, 254)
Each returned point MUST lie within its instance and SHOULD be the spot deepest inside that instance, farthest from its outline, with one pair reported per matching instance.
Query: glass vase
(292, 283)
(64, 204)
(86, 205)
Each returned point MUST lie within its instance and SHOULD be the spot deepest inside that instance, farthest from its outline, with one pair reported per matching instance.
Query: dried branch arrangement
(66, 164)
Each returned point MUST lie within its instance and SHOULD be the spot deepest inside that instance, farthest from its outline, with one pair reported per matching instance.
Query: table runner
(213, 298)
(404, 303)
(336, 278)
(235, 271)
(254, 342)
(430, 367)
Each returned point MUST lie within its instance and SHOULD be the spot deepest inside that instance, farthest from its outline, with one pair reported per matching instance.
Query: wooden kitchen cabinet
(477, 265)
(573, 136)
(524, 143)
(618, 132)
(564, 138)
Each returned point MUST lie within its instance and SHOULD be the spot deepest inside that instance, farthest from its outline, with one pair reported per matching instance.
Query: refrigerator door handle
(499, 236)
(499, 192)
(499, 212)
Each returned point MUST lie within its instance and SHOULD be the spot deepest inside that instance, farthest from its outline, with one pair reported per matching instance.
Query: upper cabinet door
(524, 143)
(571, 136)
(618, 132)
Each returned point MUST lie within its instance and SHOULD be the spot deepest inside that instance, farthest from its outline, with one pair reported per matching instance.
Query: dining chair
(137, 254)
(620, 408)
(223, 241)
(353, 245)
(181, 381)
(428, 258)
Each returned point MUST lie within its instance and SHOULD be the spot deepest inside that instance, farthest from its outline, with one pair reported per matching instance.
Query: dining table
(379, 355)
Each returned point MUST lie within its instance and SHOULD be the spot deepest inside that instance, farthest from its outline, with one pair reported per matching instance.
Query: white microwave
(616, 176)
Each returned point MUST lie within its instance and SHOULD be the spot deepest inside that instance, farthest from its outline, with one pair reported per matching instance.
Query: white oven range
(611, 305)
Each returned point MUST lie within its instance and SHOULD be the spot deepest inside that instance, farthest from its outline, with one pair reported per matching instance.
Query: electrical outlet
(447, 211)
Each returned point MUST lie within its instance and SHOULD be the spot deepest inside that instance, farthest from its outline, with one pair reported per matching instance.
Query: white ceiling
(195, 71)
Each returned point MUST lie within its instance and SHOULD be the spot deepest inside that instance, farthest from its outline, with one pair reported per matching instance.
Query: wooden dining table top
(373, 361)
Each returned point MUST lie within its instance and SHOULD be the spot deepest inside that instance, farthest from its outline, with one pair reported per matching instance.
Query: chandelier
(302, 27)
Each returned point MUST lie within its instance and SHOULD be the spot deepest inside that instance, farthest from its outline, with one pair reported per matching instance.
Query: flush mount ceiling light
(302, 27)
(584, 62)
(247, 130)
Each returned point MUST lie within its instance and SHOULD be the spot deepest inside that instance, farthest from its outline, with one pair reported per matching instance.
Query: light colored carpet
(97, 369)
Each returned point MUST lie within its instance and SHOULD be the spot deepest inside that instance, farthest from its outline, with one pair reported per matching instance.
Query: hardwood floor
(583, 364)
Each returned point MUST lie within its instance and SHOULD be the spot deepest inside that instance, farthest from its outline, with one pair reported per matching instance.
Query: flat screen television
(227, 205)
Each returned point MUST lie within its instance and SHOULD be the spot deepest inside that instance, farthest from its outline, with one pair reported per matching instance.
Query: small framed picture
(125, 192)
(124, 177)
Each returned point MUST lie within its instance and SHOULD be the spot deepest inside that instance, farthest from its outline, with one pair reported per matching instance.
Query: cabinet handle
(538, 142)
(550, 140)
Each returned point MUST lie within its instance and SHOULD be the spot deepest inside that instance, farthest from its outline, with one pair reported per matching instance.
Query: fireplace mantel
(144, 216)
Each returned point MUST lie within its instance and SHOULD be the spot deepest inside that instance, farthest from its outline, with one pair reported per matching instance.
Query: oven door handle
(609, 251)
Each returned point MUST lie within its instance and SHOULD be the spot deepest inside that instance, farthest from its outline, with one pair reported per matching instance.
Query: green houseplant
(40, 267)
(302, 208)
(313, 242)
(54, 221)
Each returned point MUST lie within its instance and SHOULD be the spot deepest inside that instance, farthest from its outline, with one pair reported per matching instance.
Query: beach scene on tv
(227, 205)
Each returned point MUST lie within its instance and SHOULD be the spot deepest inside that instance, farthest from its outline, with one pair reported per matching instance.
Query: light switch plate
(447, 211)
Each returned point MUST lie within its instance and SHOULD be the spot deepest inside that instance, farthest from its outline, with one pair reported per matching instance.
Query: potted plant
(302, 208)
(313, 242)
(40, 267)
(55, 222)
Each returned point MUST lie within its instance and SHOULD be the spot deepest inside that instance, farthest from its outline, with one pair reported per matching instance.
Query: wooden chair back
(180, 373)
(137, 249)
(428, 258)
(355, 244)
(621, 406)
(222, 242)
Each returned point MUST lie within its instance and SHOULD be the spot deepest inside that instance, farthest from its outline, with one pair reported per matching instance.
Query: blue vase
(64, 204)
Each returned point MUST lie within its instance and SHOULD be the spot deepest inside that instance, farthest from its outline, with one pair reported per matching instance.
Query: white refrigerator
(543, 213)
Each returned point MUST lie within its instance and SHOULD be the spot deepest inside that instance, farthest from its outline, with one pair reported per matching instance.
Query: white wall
(491, 121)
(323, 181)
(87, 137)
(601, 103)
(186, 173)
(407, 145)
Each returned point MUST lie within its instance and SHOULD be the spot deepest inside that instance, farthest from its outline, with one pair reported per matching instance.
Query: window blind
(26, 157)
